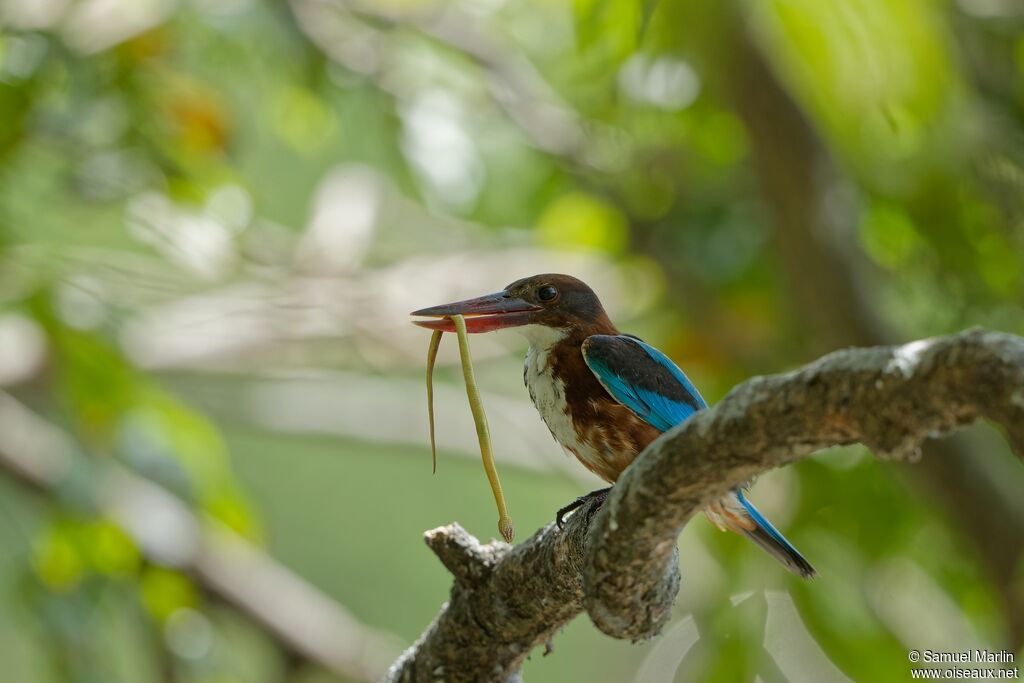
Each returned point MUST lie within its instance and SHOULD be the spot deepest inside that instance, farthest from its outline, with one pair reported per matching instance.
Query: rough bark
(620, 563)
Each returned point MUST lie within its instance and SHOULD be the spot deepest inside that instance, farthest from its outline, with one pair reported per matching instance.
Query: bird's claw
(599, 495)
(562, 512)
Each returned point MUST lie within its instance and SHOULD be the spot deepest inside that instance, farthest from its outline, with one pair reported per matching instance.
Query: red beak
(483, 314)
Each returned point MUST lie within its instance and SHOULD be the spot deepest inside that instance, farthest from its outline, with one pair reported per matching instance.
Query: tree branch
(512, 81)
(307, 624)
(622, 567)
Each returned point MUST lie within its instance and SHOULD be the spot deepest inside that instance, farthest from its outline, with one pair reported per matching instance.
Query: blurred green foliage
(214, 214)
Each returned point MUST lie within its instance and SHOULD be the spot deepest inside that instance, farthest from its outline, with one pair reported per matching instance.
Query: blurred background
(215, 216)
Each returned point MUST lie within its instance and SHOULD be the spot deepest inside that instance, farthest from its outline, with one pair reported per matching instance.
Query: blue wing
(643, 379)
(647, 382)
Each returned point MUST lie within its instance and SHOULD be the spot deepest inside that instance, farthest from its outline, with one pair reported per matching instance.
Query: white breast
(548, 395)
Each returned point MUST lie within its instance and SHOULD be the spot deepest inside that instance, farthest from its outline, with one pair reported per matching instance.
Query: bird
(603, 395)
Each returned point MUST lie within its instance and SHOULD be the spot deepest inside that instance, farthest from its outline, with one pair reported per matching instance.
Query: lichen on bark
(620, 563)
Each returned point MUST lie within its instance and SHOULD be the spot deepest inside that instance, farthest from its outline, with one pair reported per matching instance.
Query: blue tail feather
(771, 540)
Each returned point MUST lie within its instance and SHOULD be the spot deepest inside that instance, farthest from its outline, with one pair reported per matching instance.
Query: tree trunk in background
(818, 254)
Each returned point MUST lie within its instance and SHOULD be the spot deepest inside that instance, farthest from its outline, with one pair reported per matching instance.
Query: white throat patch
(542, 337)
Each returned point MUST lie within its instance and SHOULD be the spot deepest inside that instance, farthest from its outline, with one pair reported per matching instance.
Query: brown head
(560, 303)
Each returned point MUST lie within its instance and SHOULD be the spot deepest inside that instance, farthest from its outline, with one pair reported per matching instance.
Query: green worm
(435, 344)
(483, 433)
(476, 405)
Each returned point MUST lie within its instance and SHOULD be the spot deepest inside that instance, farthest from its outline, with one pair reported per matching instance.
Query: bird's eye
(547, 293)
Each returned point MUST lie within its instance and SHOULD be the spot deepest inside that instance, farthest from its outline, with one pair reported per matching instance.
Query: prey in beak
(483, 314)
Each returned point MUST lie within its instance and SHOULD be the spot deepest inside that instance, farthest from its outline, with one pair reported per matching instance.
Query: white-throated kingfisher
(604, 395)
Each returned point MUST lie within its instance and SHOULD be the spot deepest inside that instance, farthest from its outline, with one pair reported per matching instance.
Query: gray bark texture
(620, 563)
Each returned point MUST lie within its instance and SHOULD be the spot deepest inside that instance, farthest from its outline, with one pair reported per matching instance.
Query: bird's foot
(598, 495)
